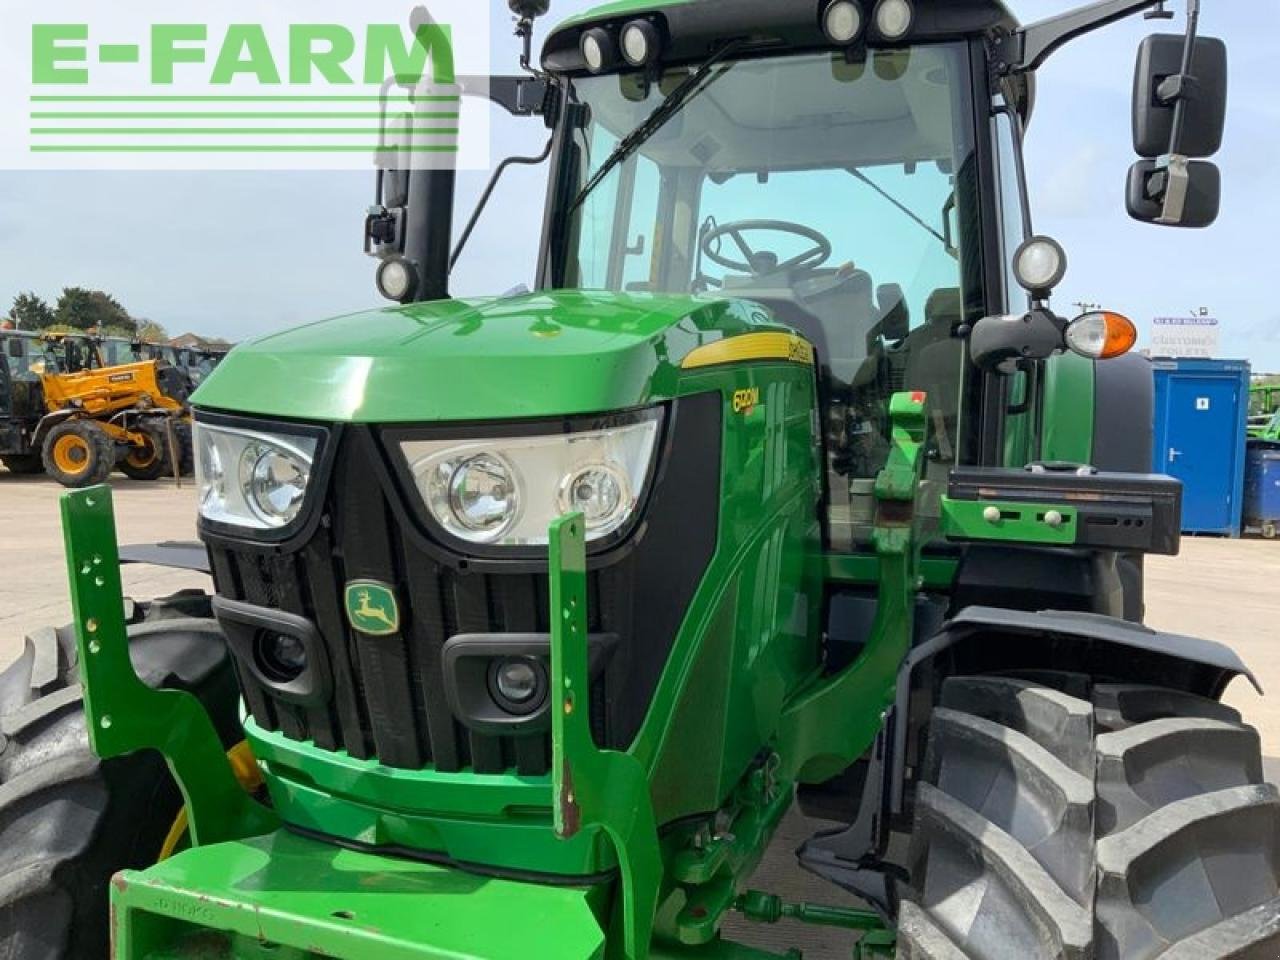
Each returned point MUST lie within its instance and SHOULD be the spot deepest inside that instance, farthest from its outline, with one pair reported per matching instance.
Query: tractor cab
(837, 189)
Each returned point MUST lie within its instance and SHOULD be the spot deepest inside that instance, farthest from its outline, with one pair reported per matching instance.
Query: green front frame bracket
(125, 715)
(834, 721)
(594, 788)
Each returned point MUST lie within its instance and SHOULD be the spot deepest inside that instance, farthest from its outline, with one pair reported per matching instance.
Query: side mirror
(1183, 194)
(1158, 87)
(1174, 186)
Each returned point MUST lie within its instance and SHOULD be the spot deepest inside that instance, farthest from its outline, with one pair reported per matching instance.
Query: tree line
(81, 309)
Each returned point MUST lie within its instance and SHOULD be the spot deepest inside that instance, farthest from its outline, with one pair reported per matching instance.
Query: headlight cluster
(248, 478)
(508, 490)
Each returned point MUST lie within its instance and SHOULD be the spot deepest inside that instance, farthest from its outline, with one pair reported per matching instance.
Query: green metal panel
(122, 713)
(836, 719)
(1068, 409)
(750, 637)
(553, 353)
(502, 820)
(1010, 522)
(286, 896)
(618, 8)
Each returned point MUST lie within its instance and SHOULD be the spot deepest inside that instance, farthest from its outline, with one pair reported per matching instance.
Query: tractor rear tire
(1132, 825)
(152, 460)
(23, 464)
(79, 453)
(69, 821)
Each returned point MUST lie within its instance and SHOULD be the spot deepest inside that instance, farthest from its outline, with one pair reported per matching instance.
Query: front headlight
(506, 490)
(249, 478)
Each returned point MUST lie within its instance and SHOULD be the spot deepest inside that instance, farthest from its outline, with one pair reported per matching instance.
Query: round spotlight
(397, 279)
(597, 49)
(640, 43)
(893, 18)
(518, 685)
(1040, 264)
(281, 658)
(842, 22)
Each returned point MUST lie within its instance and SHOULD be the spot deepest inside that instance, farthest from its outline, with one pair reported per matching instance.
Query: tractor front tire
(152, 460)
(1125, 826)
(23, 464)
(79, 453)
(69, 821)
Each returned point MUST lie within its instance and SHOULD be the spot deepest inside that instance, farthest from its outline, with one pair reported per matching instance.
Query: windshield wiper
(689, 88)
(900, 205)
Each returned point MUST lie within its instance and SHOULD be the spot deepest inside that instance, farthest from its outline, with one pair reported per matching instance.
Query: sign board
(1185, 337)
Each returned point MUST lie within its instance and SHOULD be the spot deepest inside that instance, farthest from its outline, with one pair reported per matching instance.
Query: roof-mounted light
(641, 43)
(598, 49)
(894, 18)
(842, 22)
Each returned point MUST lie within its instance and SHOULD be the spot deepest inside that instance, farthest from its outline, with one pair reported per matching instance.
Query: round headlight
(1040, 264)
(597, 49)
(476, 497)
(397, 279)
(275, 483)
(893, 19)
(639, 42)
(842, 22)
(599, 492)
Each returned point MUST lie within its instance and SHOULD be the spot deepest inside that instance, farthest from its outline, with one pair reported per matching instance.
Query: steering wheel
(760, 263)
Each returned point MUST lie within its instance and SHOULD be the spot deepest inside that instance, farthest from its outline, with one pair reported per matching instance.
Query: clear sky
(240, 254)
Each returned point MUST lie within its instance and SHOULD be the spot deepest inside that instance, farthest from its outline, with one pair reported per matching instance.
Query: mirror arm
(1180, 91)
(1027, 49)
(488, 193)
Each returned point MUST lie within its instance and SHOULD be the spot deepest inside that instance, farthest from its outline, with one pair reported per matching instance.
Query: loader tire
(69, 821)
(23, 464)
(151, 461)
(79, 453)
(1132, 825)
(186, 447)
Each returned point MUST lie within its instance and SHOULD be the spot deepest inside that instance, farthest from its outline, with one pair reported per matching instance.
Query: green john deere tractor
(785, 486)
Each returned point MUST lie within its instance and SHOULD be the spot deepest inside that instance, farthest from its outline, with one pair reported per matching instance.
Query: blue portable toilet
(1202, 410)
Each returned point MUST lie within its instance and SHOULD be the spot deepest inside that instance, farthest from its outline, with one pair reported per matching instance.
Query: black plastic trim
(244, 623)
(469, 660)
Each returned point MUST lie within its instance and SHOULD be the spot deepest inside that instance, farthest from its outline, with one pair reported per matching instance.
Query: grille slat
(384, 662)
(471, 597)
(318, 720)
(427, 635)
(321, 574)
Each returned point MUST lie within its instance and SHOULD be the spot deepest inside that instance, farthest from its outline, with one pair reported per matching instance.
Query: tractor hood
(541, 354)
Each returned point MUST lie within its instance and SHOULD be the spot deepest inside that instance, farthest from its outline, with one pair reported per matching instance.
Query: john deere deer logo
(372, 608)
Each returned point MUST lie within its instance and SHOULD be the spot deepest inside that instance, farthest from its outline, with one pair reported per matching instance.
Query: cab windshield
(840, 193)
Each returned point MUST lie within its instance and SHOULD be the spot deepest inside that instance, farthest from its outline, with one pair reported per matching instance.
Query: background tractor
(69, 413)
(784, 485)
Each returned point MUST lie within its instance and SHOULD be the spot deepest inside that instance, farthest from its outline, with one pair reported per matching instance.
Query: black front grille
(388, 696)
